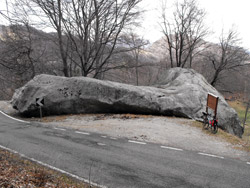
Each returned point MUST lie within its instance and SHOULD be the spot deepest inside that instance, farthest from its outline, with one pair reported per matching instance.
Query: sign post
(40, 103)
(212, 102)
(41, 115)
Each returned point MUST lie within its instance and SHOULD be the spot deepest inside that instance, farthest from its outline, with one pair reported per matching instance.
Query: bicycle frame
(210, 122)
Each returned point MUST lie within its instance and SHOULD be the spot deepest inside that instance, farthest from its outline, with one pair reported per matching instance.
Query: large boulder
(182, 93)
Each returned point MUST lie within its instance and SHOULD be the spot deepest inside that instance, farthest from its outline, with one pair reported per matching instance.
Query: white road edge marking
(79, 132)
(101, 144)
(13, 118)
(104, 136)
(210, 155)
(248, 163)
(54, 168)
(136, 142)
(59, 129)
(176, 149)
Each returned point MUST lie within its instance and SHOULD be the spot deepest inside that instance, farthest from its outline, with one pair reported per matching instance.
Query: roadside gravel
(168, 131)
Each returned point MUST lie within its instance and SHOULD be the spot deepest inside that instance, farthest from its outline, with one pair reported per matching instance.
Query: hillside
(32, 52)
(228, 84)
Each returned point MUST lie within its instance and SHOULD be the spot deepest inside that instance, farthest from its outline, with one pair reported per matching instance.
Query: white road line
(55, 168)
(176, 149)
(13, 118)
(8, 149)
(101, 144)
(136, 142)
(59, 129)
(84, 133)
(113, 138)
(248, 163)
(104, 136)
(210, 155)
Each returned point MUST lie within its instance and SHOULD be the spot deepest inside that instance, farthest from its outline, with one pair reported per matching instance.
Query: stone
(182, 93)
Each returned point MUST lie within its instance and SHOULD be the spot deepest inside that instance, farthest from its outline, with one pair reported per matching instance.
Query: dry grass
(242, 144)
(238, 143)
(18, 172)
(240, 108)
(53, 118)
(61, 118)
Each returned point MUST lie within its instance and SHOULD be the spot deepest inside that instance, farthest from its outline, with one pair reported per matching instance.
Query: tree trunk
(136, 71)
(215, 77)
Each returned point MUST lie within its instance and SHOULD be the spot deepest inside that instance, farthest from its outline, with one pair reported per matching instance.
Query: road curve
(119, 162)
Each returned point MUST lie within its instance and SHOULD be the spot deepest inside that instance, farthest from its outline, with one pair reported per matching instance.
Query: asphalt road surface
(119, 162)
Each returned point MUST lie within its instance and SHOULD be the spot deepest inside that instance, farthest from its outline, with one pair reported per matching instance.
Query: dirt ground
(169, 131)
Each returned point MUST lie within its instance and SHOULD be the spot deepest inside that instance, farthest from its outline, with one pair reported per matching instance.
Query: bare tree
(95, 35)
(22, 34)
(136, 46)
(227, 56)
(34, 13)
(184, 32)
(87, 30)
(17, 50)
(24, 51)
(17, 58)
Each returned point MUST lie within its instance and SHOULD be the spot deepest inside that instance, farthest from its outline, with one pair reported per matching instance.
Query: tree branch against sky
(94, 28)
(184, 32)
(137, 46)
(222, 13)
(228, 55)
(91, 27)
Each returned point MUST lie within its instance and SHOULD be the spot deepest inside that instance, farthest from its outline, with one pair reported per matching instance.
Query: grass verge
(242, 144)
(16, 171)
(238, 143)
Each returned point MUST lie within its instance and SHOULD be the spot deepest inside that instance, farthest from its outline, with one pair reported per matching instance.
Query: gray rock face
(182, 93)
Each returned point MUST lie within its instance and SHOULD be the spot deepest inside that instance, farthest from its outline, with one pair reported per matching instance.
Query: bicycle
(210, 122)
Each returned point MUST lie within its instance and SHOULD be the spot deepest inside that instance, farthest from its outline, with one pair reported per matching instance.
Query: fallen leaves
(16, 172)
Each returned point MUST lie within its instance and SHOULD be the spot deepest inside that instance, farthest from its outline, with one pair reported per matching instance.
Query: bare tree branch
(184, 33)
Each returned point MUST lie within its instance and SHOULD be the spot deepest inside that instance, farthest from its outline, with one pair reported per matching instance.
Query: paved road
(116, 162)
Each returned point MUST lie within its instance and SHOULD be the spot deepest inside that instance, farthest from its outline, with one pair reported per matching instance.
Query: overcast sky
(220, 14)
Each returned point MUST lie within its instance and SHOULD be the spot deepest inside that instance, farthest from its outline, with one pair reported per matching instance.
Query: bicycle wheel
(215, 128)
(205, 124)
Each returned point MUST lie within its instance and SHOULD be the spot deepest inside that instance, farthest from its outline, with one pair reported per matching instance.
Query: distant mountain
(158, 49)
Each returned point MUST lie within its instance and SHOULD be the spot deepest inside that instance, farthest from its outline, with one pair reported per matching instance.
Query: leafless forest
(96, 38)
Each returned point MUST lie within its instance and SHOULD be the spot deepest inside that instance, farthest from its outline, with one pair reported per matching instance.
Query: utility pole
(245, 119)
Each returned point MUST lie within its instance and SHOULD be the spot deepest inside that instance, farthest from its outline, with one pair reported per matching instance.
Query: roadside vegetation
(239, 143)
(240, 108)
(18, 172)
